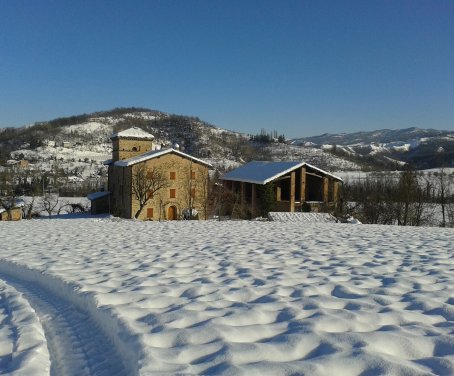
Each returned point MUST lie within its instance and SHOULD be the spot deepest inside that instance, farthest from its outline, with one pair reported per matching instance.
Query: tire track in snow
(76, 344)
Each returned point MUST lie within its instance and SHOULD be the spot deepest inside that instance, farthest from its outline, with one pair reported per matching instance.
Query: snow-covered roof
(95, 195)
(107, 162)
(155, 154)
(133, 132)
(18, 203)
(262, 172)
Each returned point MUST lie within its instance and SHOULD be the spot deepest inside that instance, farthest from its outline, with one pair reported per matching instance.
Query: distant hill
(88, 144)
(422, 148)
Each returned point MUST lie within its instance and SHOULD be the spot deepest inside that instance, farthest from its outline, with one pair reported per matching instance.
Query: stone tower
(130, 143)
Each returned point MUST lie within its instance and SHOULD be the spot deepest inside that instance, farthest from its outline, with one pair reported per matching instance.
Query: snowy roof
(95, 195)
(107, 162)
(133, 132)
(155, 154)
(262, 172)
(18, 203)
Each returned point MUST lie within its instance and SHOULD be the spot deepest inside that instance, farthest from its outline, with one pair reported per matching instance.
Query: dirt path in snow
(76, 344)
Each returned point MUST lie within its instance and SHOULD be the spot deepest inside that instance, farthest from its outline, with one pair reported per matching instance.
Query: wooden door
(172, 213)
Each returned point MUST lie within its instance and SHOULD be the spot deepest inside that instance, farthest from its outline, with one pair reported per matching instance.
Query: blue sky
(300, 67)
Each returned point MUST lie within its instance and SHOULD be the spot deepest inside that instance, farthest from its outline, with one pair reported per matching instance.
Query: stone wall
(128, 148)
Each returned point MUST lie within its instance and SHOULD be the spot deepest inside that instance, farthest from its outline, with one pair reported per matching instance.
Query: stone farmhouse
(183, 180)
(296, 186)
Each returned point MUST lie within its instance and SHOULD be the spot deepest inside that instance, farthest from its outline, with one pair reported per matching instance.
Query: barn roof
(154, 154)
(262, 172)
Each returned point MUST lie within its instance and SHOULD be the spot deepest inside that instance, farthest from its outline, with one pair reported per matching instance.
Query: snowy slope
(88, 136)
(245, 298)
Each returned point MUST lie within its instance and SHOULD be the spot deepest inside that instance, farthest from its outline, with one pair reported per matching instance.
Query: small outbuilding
(99, 202)
(12, 211)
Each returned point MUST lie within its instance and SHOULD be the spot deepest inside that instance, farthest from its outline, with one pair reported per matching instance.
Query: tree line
(410, 199)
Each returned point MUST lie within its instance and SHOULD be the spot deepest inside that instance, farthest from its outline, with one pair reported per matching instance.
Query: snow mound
(301, 217)
(23, 346)
(252, 297)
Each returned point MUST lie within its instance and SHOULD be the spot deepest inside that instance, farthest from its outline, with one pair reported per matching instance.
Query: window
(173, 193)
(173, 175)
(134, 149)
(150, 213)
(192, 174)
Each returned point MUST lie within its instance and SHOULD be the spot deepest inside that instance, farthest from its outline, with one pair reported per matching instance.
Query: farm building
(12, 212)
(295, 186)
(175, 184)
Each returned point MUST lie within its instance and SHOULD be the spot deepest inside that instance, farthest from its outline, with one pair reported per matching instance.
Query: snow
(238, 297)
(23, 347)
(88, 128)
(301, 217)
(133, 132)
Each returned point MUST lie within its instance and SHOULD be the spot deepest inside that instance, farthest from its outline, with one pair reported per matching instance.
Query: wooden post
(243, 195)
(325, 189)
(278, 192)
(292, 191)
(303, 185)
(336, 193)
(253, 200)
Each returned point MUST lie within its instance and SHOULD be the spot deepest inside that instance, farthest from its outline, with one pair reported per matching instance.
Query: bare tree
(50, 202)
(205, 192)
(8, 191)
(146, 182)
(190, 189)
(443, 194)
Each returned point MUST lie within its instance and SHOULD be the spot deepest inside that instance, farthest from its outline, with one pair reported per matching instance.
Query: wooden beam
(336, 193)
(243, 194)
(292, 191)
(325, 189)
(313, 174)
(253, 200)
(303, 184)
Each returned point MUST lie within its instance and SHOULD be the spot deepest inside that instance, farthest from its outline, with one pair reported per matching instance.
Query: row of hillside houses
(150, 183)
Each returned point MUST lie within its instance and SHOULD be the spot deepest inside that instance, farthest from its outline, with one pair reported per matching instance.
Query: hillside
(89, 144)
(422, 148)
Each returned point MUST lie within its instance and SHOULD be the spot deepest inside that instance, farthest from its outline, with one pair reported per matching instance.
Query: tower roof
(133, 132)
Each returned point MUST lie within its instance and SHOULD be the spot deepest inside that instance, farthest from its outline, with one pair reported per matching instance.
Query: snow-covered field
(240, 298)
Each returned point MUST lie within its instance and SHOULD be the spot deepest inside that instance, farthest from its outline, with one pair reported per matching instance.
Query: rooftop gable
(133, 132)
(263, 172)
(157, 153)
